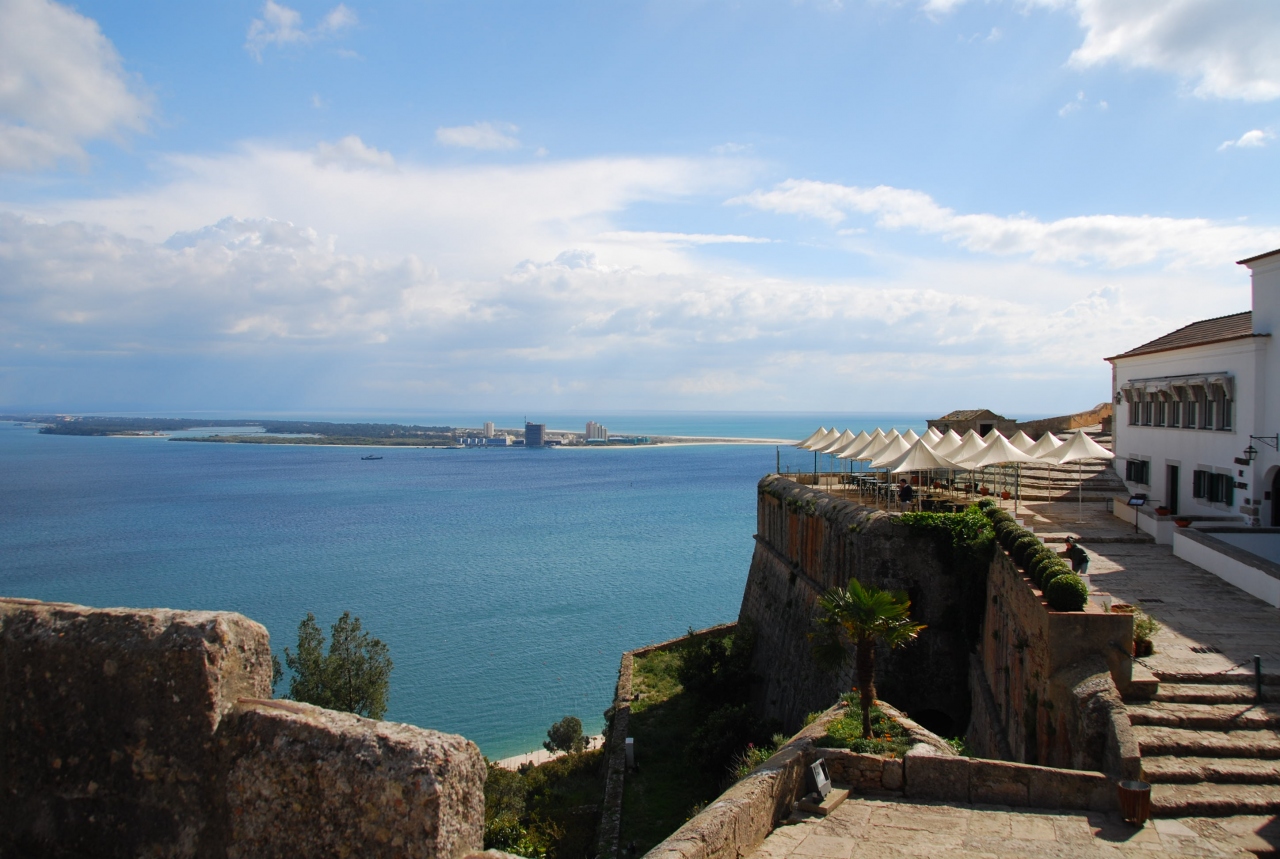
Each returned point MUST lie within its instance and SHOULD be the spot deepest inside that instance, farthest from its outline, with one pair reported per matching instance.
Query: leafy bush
(996, 515)
(565, 736)
(753, 756)
(1013, 535)
(717, 670)
(722, 734)
(966, 541)
(1144, 626)
(1004, 529)
(887, 736)
(1039, 563)
(1053, 570)
(1067, 593)
(986, 505)
(1023, 548)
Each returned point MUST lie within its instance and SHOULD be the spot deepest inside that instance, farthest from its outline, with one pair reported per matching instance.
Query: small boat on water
(371, 456)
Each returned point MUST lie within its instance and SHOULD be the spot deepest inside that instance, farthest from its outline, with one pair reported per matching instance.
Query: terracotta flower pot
(1182, 523)
(1005, 495)
(1162, 511)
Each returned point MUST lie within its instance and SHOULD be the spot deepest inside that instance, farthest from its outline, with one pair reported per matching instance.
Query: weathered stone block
(930, 775)
(1051, 788)
(107, 724)
(305, 781)
(998, 783)
(891, 775)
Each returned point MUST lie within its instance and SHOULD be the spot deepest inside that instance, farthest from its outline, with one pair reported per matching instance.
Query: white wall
(1249, 579)
(1266, 320)
(1194, 449)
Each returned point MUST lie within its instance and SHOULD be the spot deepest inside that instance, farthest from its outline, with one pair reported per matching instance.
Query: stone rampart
(808, 542)
(148, 733)
(1047, 684)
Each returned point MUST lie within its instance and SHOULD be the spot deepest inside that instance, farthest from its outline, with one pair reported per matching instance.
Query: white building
(1198, 411)
(488, 429)
(597, 432)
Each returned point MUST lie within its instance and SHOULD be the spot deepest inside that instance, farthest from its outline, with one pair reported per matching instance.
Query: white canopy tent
(819, 433)
(970, 444)
(839, 441)
(855, 451)
(1077, 449)
(859, 440)
(891, 451)
(1022, 441)
(947, 443)
(911, 436)
(826, 438)
(871, 452)
(920, 457)
(933, 435)
(1046, 443)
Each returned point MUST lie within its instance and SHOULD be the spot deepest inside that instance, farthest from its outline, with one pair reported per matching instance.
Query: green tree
(858, 618)
(354, 676)
(565, 736)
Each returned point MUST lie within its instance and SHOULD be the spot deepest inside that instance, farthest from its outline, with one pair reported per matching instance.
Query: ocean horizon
(506, 583)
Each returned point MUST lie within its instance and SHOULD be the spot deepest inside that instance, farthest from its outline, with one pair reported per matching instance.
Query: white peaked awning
(873, 450)
(1077, 448)
(1047, 442)
(911, 436)
(1022, 441)
(970, 444)
(891, 451)
(992, 435)
(933, 435)
(1180, 388)
(830, 436)
(997, 452)
(946, 445)
(855, 450)
(920, 458)
(839, 441)
(821, 431)
(858, 441)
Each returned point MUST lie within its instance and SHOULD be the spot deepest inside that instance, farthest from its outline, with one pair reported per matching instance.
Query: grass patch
(887, 736)
(549, 811)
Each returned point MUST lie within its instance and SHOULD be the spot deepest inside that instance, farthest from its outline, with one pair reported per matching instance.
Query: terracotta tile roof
(970, 414)
(1216, 330)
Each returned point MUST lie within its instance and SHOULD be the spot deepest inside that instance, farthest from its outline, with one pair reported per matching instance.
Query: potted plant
(1183, 521)
(1005, 495)
(1144, 627)
(1162, 511)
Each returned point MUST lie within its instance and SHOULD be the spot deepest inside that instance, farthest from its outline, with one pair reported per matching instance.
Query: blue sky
(425, 206)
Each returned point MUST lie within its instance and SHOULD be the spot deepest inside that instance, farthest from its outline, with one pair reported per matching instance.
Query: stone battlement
(127, 732)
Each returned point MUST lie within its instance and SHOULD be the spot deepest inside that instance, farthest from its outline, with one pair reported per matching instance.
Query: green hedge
(1051, 571)
(1067, 593)
(1023, 548)
(1040, 562)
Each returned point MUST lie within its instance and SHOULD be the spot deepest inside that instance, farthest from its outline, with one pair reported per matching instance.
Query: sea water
(506, 583)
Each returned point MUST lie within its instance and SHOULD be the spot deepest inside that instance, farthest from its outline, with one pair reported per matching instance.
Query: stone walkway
(886, 828)
(1195, 608)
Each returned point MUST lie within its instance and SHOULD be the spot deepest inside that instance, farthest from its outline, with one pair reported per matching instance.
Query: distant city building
(535, 434)
(597, 432)
(488, 429)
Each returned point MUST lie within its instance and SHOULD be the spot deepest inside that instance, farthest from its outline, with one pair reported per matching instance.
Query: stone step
(1209, 744)
(1206, 717)
(1190, 770)
(1214, 800)
(1203, 693)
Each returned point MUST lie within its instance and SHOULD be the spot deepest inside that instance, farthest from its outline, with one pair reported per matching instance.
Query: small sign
(1137, 500)
(819, 777)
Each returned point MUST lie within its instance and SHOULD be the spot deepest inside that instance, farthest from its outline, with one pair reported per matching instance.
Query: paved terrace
(887, 828)
(1195, 608)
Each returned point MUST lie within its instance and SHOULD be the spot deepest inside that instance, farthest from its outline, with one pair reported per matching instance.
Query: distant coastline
(329, 433)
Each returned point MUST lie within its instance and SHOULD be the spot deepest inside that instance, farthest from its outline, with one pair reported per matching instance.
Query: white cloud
(1072, 106)
(731, 148)
(1114, 240)
(481, 135)
(61, 85)
(1221, 50)
(281, 26)
(352, 152)
(1250, 140)
(680, 238)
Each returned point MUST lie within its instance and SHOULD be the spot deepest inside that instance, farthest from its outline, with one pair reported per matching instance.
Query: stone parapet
(147, 733)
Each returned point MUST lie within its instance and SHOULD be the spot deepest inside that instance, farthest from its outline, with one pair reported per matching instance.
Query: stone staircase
(1207, 749)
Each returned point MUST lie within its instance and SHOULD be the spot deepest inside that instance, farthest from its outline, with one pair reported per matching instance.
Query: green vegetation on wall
(966, 541)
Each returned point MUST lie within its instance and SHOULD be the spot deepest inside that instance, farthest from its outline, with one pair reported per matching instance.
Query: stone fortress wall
(808, 542)
(151, 733)
(1039, 687)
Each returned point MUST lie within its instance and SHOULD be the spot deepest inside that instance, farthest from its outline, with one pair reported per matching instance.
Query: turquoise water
(505, 582)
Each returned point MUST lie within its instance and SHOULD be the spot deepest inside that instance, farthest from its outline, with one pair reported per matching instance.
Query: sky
(760, 205)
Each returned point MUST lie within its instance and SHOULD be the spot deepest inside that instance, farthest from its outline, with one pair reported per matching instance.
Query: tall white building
(597, 432)
(1198, 411)
(488, 429)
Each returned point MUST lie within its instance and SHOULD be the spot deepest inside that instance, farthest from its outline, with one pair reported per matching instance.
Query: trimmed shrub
(995, 514)
(1067, 593)
(985, 504)
(1023, 548)
(1040, 560)
(1050, 571)
(1002, 530)
(1013, 535)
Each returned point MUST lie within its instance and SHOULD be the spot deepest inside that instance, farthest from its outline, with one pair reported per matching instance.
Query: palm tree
(859, 618)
